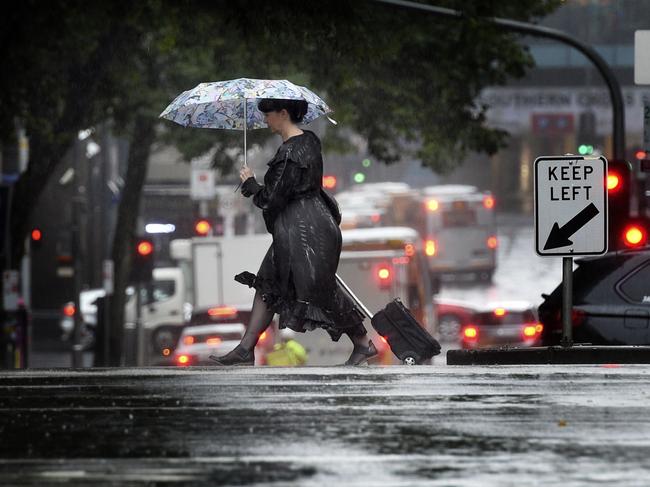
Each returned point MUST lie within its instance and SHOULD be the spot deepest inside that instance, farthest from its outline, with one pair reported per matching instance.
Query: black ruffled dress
(297, 275)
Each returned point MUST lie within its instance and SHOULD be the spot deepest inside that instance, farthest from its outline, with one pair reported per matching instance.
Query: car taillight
(409, 250)
(532, 330)
(166, 351)
(188, 340)
(213, 341)
(470, 333)
(499, 312)
(183, 360)
(222, 312)
(375, 218)
(492, 242)
(69, 309)
(430, 248)
(384, 276)
(488, 202)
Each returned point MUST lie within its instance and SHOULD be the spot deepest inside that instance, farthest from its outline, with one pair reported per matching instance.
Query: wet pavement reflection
(326, 426)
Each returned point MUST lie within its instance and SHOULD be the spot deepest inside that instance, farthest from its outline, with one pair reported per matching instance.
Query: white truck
(209, 265)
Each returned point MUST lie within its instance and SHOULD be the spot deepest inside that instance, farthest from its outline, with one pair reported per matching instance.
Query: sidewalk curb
(578, 354)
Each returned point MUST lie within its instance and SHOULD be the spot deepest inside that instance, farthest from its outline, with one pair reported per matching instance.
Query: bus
(457, 224)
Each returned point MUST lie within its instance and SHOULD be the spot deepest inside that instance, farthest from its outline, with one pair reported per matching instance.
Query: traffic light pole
(567, 301)
(618, 128)
(139, 328)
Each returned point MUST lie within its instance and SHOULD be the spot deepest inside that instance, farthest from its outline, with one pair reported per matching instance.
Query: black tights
(261, 318)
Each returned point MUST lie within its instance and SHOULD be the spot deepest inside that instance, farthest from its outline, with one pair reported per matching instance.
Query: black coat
(297, 276)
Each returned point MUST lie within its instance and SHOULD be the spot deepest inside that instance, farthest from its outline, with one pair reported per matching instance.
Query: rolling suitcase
(407, 339)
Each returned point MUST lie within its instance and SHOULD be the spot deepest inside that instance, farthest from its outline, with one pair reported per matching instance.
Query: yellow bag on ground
(287, 353)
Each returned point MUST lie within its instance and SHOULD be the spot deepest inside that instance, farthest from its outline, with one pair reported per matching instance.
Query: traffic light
(358, 177)
(142, 261)
(635, 233)
(619, 184)
(329, 182)
(202, 227)
(586, 136)
(36, 238)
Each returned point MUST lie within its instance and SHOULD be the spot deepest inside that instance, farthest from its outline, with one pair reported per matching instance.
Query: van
(457, 224)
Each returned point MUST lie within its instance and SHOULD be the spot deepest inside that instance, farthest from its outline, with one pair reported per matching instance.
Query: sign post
(570, 216)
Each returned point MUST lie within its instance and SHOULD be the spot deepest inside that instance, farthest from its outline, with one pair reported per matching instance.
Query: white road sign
(202, 186)
(641, 58)
(570, 205)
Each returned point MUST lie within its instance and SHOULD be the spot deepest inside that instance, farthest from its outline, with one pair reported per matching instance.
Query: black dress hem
(302, 316)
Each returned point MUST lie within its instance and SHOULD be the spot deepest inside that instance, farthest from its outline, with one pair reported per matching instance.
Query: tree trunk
(125, 230)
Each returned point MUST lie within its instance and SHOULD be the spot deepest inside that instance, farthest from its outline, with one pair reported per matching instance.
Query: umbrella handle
(245, 127)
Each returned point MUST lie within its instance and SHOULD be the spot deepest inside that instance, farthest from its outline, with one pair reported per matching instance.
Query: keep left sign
(570, 205)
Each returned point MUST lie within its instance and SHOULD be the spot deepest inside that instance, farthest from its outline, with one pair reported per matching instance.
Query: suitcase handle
(347, 289)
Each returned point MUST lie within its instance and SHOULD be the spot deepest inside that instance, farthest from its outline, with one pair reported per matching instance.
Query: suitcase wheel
(409, 360)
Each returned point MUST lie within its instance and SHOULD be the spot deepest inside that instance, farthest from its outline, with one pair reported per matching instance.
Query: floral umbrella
(226, 104)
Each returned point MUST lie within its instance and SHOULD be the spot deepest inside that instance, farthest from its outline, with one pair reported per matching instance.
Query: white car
(197, 343)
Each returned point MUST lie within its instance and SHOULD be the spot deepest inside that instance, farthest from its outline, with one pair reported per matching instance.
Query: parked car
(452, 315)
(611, 301)
(503, 323)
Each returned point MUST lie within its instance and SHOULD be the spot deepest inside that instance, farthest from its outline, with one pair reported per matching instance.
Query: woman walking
(297, 276)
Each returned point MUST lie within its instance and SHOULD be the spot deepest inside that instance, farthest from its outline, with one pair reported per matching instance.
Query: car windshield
(160, 290)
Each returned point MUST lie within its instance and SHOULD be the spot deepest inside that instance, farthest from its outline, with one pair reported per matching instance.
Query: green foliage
(399, 78)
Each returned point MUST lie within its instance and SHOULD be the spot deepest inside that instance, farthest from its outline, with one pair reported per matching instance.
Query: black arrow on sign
(559, 237)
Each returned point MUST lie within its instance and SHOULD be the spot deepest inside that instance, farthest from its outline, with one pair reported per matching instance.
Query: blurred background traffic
(435, 185)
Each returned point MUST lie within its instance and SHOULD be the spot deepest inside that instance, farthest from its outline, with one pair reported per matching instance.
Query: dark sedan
(611, 301)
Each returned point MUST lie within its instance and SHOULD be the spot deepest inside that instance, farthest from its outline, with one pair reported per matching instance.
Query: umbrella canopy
(225, 104)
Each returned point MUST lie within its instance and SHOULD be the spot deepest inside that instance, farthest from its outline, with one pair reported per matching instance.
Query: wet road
(337, 426)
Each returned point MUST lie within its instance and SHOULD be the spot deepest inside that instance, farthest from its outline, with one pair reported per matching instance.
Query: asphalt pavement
(327, 426)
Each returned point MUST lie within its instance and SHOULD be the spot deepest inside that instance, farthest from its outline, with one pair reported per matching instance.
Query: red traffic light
(36, 235)
(635, 235)
(144, 248)
(640, 154)
(329, 182)
(614, 181)
(202, 227)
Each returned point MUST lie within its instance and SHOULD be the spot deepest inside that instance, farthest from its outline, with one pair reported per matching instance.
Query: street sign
(202, 184)
(641, 59)
(570, 205)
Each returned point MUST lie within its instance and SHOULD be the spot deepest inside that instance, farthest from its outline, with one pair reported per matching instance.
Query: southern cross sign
(570, 205)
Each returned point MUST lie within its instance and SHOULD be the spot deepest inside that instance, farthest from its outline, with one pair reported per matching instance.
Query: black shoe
(239, 356)
(362, 354)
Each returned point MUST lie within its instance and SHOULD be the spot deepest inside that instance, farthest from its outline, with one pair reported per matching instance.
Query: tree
(403, 81)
